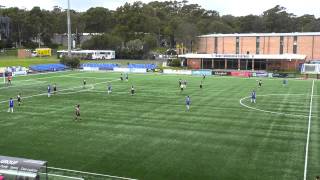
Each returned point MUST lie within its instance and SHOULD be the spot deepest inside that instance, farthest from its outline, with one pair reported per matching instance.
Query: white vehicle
(90, 54)
(103, 54)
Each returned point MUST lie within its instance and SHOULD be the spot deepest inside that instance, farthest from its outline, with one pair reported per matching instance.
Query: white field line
(89, 173)
(45, 73)
(308, 135)
(24, 84)
(271, 112)
(68, 177)
(42, 94)
(35, 79)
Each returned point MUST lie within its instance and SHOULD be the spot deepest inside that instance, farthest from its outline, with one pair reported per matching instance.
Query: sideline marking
(23, 84)
(272, 112)
(308, 135)
(96, 174)
(68, 177)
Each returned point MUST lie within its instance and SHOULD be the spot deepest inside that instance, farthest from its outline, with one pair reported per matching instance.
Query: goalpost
(311, 69)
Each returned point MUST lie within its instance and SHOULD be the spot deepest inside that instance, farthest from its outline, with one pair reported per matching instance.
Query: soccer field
(151, 136)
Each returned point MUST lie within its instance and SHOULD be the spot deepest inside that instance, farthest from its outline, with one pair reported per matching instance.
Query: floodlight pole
(69, 29)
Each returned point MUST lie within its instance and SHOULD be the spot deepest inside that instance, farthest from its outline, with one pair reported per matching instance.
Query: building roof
(246, 56)
(263, 34)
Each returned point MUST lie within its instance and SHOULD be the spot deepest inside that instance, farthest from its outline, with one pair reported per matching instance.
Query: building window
(258, 45)
(281, 44)
(237, 45)
(216, 45)
(295, 44)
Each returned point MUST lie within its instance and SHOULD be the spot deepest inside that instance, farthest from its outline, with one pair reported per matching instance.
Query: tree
(186, 33)
(105, 41)
(278, 20)
(71, 62)
(251, 23)
(150, 42)
(98, 20)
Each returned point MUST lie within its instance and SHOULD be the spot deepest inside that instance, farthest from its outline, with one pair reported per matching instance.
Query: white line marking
(69, 177)
(272, 112)
(23, 84)
(45, 73)
(308, 135)
(35, 79)
(42, 94)
(96, 174)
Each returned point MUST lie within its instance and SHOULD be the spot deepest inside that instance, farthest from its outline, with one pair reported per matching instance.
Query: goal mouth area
(310, 69)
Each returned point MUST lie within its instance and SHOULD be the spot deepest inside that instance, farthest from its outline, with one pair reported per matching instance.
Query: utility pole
(69, 29)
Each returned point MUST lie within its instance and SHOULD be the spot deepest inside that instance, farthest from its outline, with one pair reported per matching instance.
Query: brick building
(255, 51)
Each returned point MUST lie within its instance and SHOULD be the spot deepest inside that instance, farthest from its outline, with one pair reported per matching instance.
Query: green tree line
(140, 27)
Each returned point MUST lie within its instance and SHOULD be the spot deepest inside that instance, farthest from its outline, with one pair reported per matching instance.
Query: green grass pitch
(151, 135)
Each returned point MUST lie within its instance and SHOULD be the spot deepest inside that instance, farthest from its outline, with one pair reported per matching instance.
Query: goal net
(310, 69)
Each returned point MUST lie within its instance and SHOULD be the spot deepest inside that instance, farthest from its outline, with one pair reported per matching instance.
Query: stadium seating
(142, 66)
(48, 67)
(100, 66)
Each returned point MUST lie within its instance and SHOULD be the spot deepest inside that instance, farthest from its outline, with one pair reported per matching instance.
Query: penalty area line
(308, 135)
(83, 90)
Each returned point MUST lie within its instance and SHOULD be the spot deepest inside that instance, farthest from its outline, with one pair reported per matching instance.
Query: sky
(224, 7)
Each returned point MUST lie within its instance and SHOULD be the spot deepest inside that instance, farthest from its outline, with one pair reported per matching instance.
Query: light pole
(69, 29)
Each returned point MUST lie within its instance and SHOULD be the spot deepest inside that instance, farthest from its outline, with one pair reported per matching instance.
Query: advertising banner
(171, 71)
(260, 74)
(91, 68)
(19, 73)
(220, 73)
(126, 70)
(138, 70)
(241, 73)
(202, 72)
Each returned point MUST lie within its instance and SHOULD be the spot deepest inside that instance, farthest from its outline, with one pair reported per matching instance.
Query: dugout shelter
(23, 169)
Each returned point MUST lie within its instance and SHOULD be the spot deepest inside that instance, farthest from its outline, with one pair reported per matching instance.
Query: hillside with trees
(138, 28)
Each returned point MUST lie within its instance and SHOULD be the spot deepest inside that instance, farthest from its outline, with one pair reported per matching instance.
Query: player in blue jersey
(109, 88)
(11, 104)
(127, 77)
(188, 102)
(49, 90)
(253, 96)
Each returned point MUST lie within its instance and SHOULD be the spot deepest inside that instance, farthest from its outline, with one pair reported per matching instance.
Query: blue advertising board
(202, 72)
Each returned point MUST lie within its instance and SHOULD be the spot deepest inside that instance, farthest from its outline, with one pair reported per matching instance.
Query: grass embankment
(6, 61)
